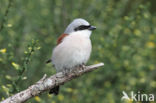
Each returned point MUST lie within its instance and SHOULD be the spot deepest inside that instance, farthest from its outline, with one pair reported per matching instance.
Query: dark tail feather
(54, 90)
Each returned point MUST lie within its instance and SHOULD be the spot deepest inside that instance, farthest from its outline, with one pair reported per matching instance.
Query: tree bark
(46, 84)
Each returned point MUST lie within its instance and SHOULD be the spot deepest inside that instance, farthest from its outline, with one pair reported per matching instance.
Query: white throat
(85, 33)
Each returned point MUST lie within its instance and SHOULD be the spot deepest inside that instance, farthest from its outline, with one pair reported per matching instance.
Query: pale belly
(71, 52)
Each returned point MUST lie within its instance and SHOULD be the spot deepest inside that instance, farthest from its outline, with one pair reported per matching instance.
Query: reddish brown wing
(59, 40)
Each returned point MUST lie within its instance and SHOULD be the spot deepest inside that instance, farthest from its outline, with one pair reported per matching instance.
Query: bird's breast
(72, 51)
(78, 43)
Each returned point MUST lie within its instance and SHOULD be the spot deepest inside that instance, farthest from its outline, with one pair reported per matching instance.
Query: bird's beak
(92, 28)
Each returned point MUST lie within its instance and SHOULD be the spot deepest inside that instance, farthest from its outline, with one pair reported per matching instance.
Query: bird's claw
(78, 68)
(82, 66)
(66, 72)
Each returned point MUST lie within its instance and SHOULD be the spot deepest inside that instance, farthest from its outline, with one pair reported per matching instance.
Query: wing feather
(61, 37)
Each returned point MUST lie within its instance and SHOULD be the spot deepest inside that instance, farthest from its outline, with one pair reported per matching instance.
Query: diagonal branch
(5, 15)
(45, 84)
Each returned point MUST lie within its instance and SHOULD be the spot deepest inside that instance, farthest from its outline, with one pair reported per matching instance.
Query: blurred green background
(125, 40)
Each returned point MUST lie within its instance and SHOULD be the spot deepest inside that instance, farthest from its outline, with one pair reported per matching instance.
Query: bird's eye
(82, 27)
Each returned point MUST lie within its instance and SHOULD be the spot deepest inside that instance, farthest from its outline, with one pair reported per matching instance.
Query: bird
(73, 48)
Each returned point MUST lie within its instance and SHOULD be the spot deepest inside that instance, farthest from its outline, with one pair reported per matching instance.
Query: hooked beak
(92, 28)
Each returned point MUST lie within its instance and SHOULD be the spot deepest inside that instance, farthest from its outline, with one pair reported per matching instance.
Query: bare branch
(5, 15)
(45, 84)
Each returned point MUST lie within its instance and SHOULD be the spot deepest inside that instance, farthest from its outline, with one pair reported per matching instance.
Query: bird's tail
(54, 90)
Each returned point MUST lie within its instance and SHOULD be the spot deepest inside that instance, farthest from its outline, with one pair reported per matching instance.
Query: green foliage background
(125, 40)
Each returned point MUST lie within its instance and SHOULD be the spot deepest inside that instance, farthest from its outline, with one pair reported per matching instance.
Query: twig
(5, 15)
(44, 84)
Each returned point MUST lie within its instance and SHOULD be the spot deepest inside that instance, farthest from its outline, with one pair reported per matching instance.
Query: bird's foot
(75, 71)
(66, 72)
(82, 66)
(78, 68)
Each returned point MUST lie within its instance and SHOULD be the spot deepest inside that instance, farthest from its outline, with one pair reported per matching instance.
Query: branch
(5, 15)
(45, 84)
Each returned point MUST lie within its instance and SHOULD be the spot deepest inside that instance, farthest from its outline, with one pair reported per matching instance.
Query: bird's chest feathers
(78, 42)
(74, 49)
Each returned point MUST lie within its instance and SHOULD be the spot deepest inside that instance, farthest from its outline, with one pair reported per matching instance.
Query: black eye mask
(82, 27)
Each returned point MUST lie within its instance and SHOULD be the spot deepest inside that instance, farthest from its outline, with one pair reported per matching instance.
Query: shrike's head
(79, 25)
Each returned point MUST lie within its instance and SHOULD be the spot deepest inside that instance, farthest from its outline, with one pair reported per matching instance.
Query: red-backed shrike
(73, 47)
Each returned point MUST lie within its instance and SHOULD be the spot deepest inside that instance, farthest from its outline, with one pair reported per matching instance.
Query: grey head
(78, 24)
